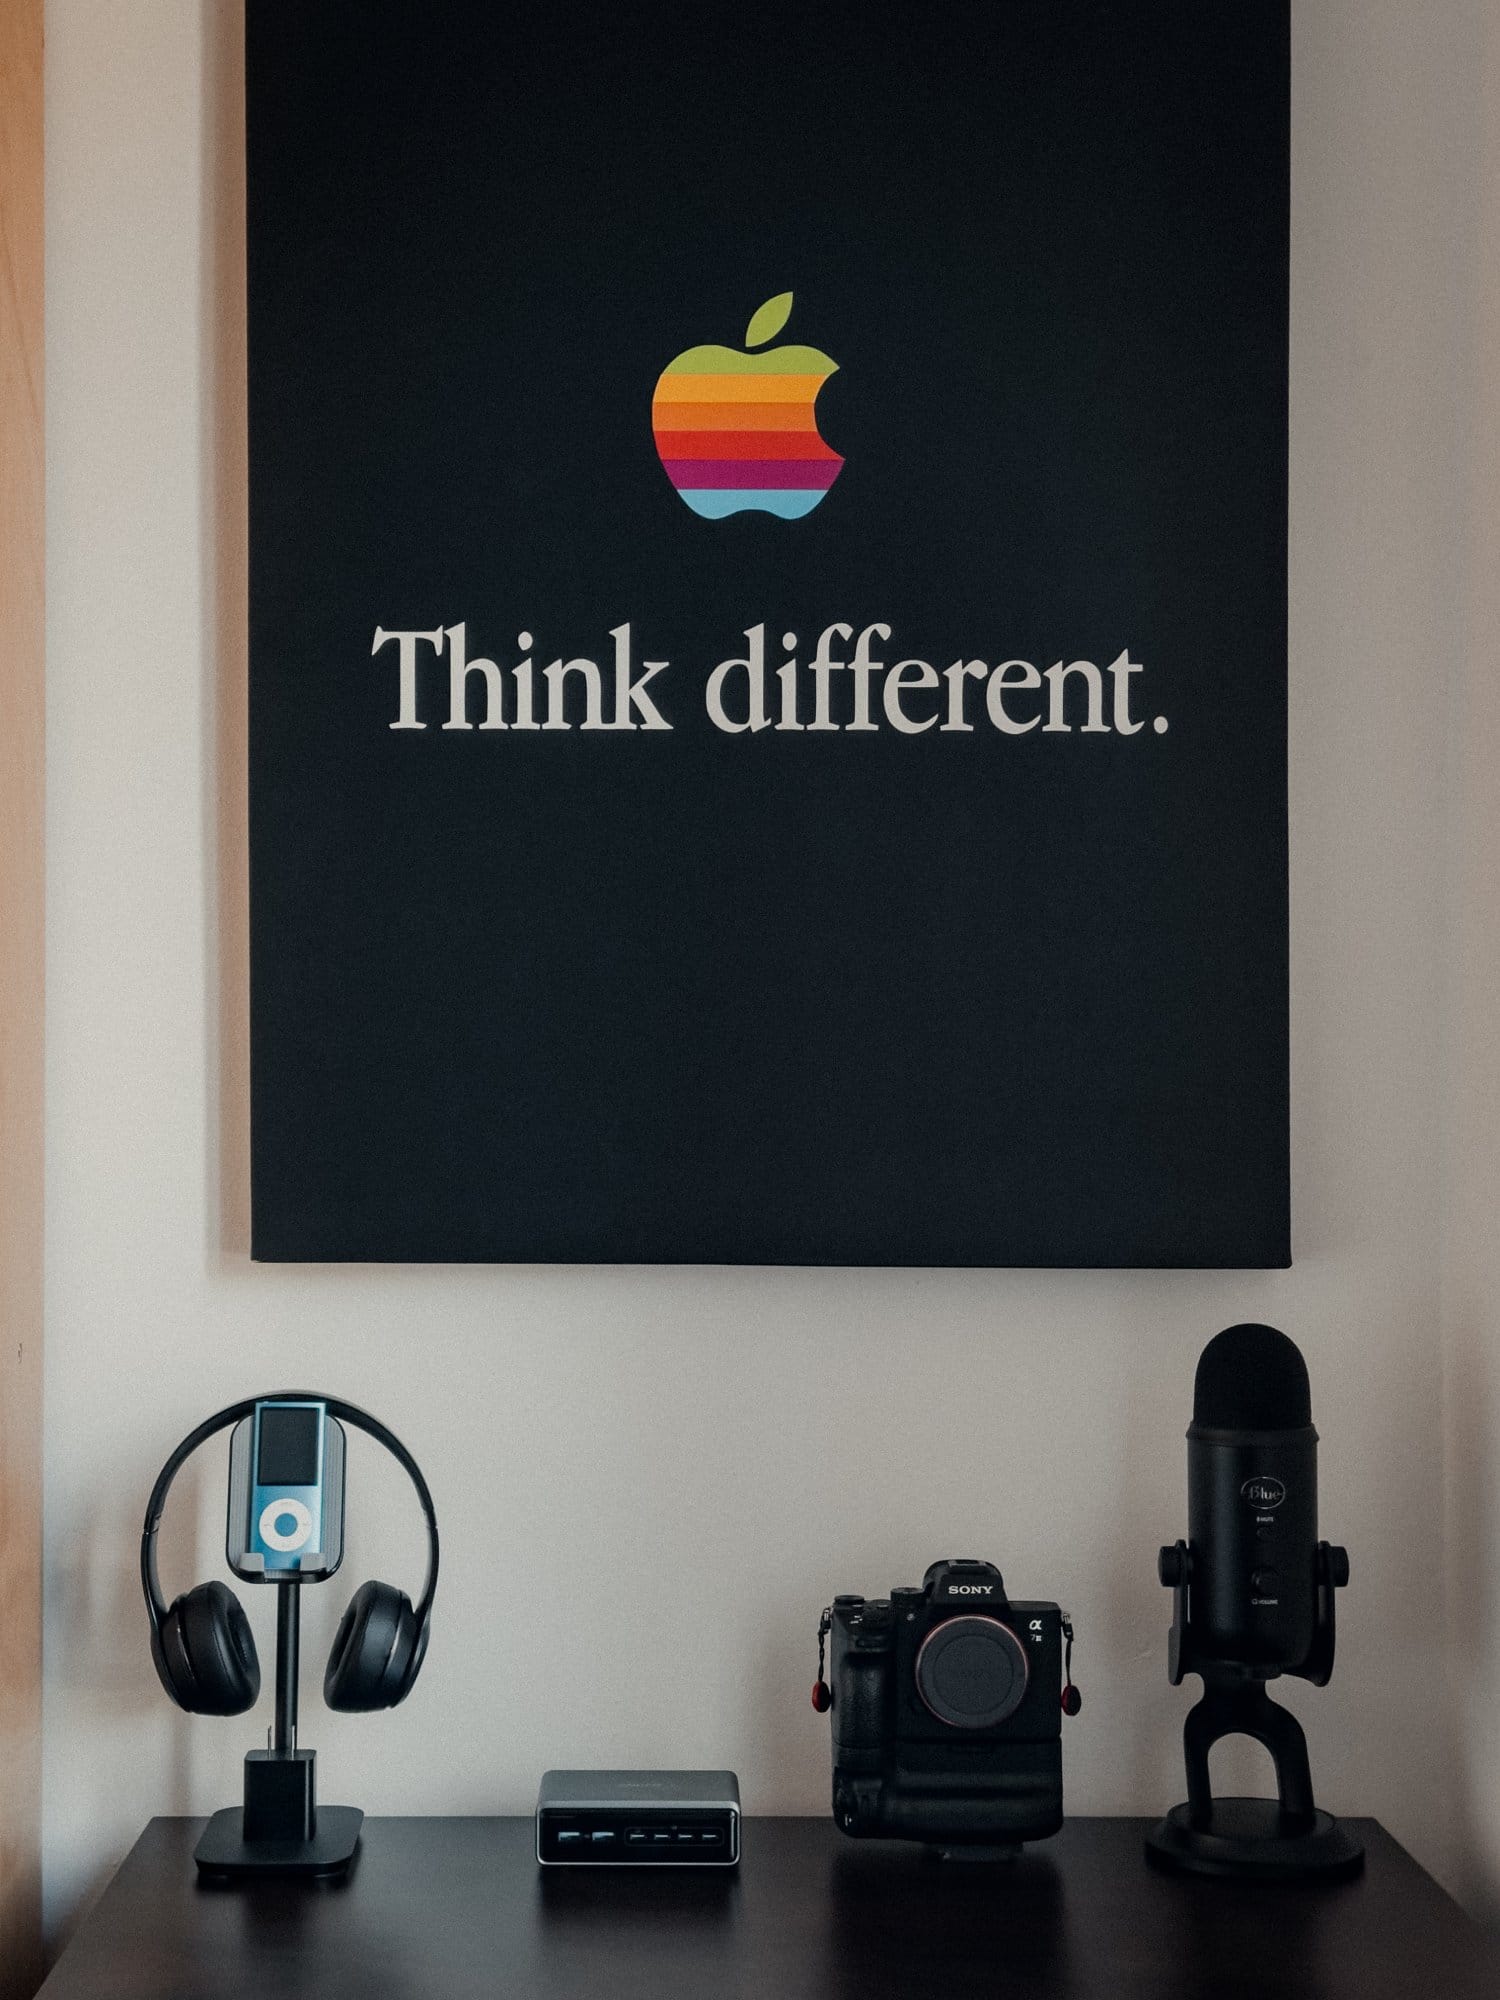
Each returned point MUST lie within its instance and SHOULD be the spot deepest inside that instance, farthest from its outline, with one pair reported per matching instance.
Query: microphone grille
(1252, 1378)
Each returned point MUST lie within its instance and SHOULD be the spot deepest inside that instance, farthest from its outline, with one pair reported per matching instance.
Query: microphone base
(1253, 1840)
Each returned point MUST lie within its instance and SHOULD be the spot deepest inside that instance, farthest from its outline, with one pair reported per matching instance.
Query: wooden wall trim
(21, 973)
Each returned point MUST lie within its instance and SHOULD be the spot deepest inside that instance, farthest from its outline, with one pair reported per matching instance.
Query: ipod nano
(286, 1492)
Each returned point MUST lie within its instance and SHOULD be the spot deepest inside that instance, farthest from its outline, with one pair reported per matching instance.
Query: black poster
(768, 632)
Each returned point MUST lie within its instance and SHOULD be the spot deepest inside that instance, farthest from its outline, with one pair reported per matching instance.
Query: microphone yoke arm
(1185, 1656)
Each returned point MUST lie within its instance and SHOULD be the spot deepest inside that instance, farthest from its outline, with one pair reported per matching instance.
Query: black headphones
(202, 1644)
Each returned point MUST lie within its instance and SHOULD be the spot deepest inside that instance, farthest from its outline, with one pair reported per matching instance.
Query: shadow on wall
(1138, 1612)
(103, 1636)
(1472, 1608)
(103, 1645)
(1471, 1263)
(226, 593)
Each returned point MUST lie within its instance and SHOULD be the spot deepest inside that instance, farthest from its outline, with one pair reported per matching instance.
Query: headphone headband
(235, 1413)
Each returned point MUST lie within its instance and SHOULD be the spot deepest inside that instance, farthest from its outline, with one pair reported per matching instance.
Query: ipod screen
(288, 1448)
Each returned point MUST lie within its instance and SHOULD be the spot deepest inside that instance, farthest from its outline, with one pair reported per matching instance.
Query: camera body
(947, 1705)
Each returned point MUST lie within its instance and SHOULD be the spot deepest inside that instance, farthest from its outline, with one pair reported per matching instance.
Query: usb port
(567, 1834)
(602, 1833)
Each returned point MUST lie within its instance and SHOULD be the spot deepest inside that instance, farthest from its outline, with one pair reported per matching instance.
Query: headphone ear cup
(376, 1651)
(168, 1658)
(208, 1662)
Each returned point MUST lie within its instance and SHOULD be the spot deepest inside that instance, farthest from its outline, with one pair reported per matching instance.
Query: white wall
(650, 1480)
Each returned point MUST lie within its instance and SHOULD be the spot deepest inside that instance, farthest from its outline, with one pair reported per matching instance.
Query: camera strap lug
(822, 1694)
(1072, 1700)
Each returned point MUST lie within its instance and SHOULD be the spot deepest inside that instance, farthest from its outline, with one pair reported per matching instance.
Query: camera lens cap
(971, 1672)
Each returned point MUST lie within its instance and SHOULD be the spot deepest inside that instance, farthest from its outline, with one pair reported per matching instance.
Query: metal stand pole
(288, 1654)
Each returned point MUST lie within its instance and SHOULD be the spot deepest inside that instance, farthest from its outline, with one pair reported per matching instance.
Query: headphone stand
(280, 1830)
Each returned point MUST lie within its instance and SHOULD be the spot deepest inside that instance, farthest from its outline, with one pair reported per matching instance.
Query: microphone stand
(280, 1830)
(1285, 1839)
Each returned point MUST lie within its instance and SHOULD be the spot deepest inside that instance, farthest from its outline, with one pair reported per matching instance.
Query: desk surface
(454, 1908)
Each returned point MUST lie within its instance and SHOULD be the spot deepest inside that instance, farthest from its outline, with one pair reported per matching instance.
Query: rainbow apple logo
(737, 431)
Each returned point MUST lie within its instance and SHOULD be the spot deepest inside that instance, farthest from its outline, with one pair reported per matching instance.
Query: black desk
(448, 1909)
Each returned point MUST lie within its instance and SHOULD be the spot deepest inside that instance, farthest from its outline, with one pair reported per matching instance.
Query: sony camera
(947, 1706)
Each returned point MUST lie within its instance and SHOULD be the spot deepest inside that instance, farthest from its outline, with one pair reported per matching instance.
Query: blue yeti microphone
(1253, 1597)
(1253, 1507)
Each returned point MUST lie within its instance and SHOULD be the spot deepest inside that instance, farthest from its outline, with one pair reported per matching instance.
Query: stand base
(224, 1850)
(1248, 1839)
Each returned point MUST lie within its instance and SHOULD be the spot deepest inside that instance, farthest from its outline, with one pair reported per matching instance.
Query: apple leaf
(768, 322)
